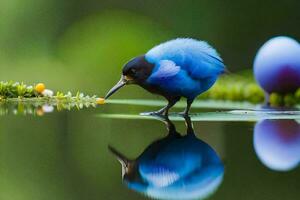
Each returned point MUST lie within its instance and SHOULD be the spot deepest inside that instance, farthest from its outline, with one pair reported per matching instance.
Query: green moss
(253, 93)
(289, 100)
(244, 88)
(297, 95)
(276, 100)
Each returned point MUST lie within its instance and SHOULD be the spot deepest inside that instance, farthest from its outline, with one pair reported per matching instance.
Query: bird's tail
(235, 75)
(226, 71)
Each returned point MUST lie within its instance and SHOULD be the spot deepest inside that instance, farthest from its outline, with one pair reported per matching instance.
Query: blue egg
(277, 65)
(277, 144)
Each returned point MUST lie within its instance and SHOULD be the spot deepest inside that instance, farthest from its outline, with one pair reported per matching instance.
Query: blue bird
(174, 167)
(178, 68)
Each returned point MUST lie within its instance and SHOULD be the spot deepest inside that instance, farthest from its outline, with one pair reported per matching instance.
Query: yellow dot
(40, 112)
(40, 87)
(100, 101)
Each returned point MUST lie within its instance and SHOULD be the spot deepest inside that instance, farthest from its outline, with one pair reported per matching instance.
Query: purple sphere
(277, 65)
(277, 144)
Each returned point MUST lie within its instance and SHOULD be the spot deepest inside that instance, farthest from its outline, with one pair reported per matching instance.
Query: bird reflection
(174, 167)
(277, 144)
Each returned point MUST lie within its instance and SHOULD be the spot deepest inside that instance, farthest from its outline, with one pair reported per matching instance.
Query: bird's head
(136, 71)
(129, 167)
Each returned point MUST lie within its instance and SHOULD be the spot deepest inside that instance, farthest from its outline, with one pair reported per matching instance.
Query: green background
(83, 44)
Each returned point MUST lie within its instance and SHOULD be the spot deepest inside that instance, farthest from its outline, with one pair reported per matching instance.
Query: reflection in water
(25, 108)
(174, 167)
(40, 107)
(277, 144)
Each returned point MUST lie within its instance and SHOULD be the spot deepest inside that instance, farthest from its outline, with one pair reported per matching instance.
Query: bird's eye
(133, 71)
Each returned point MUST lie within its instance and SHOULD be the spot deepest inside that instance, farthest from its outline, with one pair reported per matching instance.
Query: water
(65, 155)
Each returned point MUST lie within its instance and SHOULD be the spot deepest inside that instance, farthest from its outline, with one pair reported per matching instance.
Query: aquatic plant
(19, 98)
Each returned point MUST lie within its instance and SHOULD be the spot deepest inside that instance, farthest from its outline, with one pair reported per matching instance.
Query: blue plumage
(178, 68)
(184, 67)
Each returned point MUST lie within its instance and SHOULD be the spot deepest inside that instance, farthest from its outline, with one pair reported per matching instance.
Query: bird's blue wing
(203, 65)
(158, 175)
(164, 69)
(197, 58)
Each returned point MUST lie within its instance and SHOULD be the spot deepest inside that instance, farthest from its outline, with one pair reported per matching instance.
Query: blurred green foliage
(87, 56)
(82, 45)
(99, 45)
(242, 87)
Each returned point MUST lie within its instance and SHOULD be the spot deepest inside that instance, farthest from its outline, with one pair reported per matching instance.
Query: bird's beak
(123, 81)
(125, 162)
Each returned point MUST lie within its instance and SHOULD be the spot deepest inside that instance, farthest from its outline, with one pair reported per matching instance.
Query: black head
(130, 172)
(136, 71)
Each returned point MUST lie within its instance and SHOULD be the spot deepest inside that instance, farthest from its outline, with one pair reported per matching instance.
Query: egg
(277, 65)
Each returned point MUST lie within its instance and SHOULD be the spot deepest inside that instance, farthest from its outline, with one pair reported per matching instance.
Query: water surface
(65, 155)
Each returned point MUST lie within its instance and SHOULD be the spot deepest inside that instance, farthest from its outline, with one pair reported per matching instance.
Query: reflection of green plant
(41, 105)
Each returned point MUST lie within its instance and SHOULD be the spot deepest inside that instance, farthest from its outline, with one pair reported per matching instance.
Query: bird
(173, 167)
(181, 67)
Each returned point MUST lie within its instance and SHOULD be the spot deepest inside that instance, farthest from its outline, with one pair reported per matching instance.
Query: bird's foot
(160, 116)
(184, 114)
(161, 112)
(154, 113)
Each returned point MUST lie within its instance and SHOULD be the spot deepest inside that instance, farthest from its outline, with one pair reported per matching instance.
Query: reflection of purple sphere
(277, 144)
(277, 65)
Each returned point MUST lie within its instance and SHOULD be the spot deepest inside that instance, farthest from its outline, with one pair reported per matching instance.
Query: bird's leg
(171, 103)
(158, 113)
(187, 109)
(189, 125)
(169, 124)
(164, 110)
